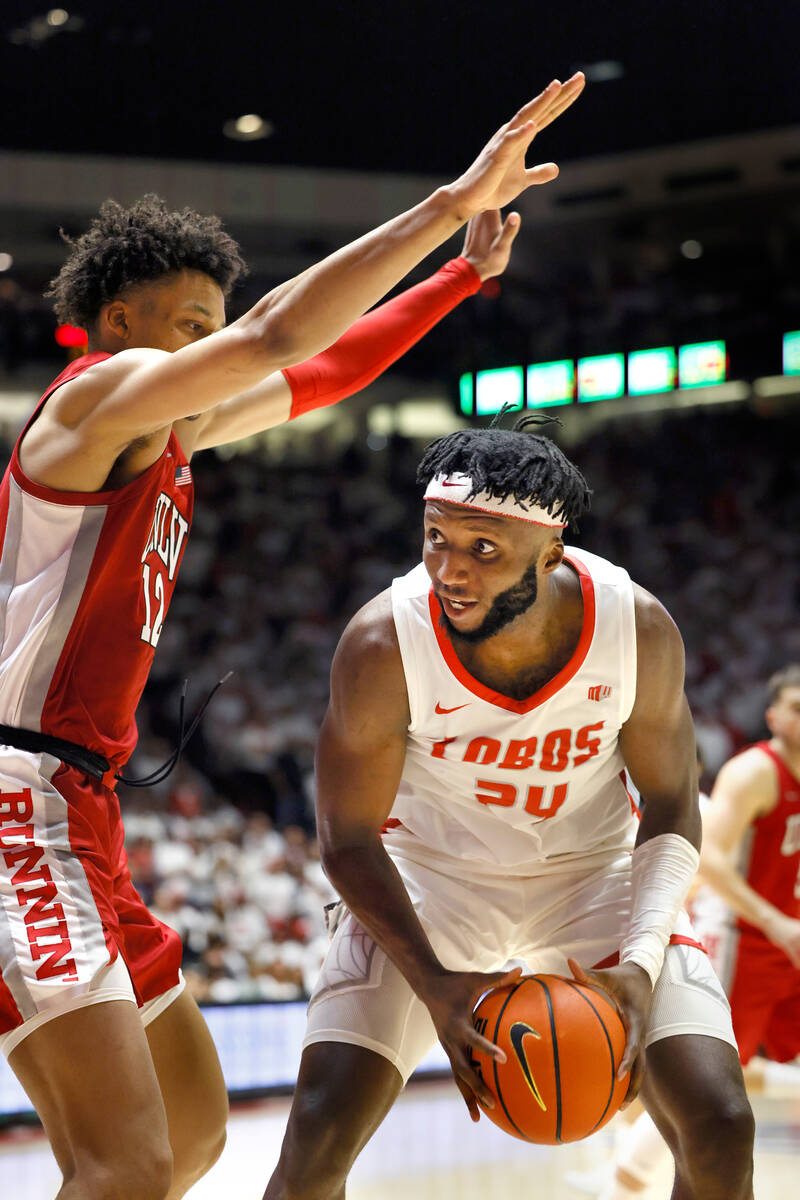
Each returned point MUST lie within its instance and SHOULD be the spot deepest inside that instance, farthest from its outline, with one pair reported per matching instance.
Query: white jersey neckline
(467, 680)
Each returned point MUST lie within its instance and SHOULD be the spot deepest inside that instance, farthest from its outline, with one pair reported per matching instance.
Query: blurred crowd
(702, 509)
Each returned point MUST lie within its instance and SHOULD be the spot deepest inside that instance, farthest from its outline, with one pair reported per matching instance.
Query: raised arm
(367, 349)
(359, 764)
(139, 391)
(746, 788)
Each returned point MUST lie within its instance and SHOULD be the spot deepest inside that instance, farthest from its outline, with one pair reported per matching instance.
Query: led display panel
(702, 364)
(652, 371)
(551, 383)
(495, 388)
(791, 353)
(601, 377)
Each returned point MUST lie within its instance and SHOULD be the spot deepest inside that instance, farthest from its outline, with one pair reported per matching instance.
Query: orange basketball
(563, 1043)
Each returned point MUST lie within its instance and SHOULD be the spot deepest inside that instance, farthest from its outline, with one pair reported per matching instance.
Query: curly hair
(511, 462)
(126, 246)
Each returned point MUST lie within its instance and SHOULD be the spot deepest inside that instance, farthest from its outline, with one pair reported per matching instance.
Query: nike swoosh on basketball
(517, 1033)
(441, 711)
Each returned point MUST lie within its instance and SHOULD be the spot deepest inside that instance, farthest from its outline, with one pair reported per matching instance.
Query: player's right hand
(498, 175)
(451, 998)
(784, 932)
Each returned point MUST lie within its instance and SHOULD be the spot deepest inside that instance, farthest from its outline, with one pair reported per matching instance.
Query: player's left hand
(487, 245)
(631, 991)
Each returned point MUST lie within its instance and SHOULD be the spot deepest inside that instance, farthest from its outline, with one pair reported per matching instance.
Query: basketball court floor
(428, 1149)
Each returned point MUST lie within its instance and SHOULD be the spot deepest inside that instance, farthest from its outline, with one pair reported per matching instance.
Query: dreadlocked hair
(127, 246)
(511, 462)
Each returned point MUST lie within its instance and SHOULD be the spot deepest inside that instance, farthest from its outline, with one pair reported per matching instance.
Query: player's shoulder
(76, 399)
(371, 634)
(367, 676)
(102, 376)
(655, 628)
(752, 767)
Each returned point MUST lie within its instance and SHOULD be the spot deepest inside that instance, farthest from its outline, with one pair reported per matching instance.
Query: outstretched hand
(631, 993)
(498, 175)
(488, 242)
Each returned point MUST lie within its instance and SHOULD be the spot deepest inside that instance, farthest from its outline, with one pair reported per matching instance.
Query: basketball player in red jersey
(95, 511)
(746, 912)
(473, 811)
(751, 858)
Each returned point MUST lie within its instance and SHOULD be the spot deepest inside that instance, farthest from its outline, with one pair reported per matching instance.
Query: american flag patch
(599, 692)
(182, 476)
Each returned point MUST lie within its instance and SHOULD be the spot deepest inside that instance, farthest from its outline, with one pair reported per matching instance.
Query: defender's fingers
(510, 229)
(538, 104)
(544, 173)
(492, 220)
(560, 101)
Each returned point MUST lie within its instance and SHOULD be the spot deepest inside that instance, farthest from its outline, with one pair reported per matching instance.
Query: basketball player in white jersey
(472, 810)
(95, 509)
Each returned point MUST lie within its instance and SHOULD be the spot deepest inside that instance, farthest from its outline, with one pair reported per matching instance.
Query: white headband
(457, 488)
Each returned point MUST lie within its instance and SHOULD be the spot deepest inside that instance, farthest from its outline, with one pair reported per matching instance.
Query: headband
(457, 488)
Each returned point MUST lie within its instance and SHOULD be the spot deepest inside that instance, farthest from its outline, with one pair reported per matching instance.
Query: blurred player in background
(746, 912)
(96, 507)
(472, 810)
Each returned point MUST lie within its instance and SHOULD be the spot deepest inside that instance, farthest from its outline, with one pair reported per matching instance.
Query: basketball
(563, 1043)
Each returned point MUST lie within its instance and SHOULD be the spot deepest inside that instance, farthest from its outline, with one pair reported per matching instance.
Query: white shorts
(73, 929)
(486, 923)
(111, 983)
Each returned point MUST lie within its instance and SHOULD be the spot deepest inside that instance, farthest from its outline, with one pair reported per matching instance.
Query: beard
(506, 607)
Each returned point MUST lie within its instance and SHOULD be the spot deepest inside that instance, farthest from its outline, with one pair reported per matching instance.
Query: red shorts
(765, 1000)
(68, 908)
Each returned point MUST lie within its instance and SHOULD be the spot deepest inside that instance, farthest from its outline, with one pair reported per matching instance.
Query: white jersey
(518, 787)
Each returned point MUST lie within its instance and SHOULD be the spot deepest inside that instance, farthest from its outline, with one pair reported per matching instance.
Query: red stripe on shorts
(677, 939)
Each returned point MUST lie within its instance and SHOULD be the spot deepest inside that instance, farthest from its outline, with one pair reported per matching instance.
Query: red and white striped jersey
(85, 582)
(769, 857)
(517, 786)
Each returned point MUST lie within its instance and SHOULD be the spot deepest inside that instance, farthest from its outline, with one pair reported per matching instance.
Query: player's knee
(205, 1153)
(147, 1175)
(721, 1140)
(195, 1155)
(316, 1155)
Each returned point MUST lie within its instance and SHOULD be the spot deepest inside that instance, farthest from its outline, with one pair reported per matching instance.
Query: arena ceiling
(366, 86)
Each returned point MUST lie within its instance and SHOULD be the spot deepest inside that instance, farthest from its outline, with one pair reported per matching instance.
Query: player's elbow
(273, 335)
(344, 856)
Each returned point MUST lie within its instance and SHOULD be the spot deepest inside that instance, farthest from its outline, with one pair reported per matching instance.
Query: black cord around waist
(97, 765)
(43, 743)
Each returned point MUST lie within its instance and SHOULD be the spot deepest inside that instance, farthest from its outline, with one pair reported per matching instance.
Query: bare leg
(694, 1091)
(343, 1093)
(193, 1090)
(90, 1078)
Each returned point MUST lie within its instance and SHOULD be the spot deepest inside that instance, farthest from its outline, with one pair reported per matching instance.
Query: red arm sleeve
(379, 338)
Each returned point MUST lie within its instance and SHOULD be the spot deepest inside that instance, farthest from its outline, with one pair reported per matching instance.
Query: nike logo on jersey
(446, 484)
(517, 1033)
(441, 711)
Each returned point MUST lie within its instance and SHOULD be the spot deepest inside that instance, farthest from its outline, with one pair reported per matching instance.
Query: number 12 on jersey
(151, 630)
(539, 801)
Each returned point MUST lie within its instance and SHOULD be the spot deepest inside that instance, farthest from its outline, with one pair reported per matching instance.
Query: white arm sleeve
(662, 871)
